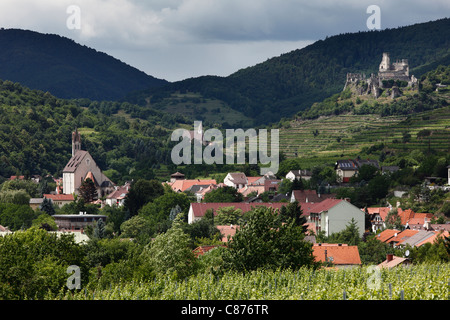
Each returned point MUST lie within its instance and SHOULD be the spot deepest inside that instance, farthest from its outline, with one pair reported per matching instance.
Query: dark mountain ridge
(285, 85)
(66, 69)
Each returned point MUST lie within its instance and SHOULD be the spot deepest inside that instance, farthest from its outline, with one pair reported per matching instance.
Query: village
(324, 212)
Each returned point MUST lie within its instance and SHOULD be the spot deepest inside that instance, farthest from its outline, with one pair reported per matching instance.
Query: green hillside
(66, 69)
(284, 85)
(194, 106)
(127, 141)
(347, 125)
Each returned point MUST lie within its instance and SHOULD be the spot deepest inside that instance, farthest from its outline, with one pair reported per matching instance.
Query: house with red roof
(310, 196)
(393, 261)
(60, 199)
(227, 232)
(198, 210)
(334, 215)
(409, 237)
(378, 216)
(329, 215)
(185, 184)
(236, 180)
(387, 234)
(117, 197)
(340, 255)
(199, 251)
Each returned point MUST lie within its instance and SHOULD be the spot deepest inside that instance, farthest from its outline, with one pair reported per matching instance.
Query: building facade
(82, 166)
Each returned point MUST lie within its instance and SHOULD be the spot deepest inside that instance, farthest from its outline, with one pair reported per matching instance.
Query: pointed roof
(387, 234)
(238, 177)
(75, 161)
(90, 175)
(393, 262)
(324, 205)
(382, 211)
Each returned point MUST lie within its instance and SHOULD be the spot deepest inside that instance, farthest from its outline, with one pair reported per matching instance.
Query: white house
(117, 197)
(236, 180)
(448, 168)
(334, 215)
(298, 174)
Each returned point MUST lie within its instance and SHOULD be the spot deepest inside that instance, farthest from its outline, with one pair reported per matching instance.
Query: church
(82, 166)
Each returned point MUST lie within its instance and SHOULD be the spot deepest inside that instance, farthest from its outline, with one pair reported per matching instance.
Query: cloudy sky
(179, 39)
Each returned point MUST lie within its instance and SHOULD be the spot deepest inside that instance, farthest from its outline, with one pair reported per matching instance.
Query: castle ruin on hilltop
(390, 75)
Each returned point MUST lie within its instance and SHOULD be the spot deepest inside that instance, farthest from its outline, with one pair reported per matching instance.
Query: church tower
(76, 142)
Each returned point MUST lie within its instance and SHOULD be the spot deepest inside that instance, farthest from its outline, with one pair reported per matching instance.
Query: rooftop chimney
(389, 257)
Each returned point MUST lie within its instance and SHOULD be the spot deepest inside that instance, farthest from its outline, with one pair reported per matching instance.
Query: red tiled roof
(382, 211)
(405, 215)
(402, 236)
(203, 249)
(227, 231)
(341, 255)
(437, 234)
(120, 193)
(392, 263)
(17, 177)
(201, 208)
(310, 196)
(385, 235)
(319, 207)
(60, 197)
(252, 180)
(183, 185)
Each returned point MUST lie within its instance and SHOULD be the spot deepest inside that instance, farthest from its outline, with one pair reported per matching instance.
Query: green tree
(116, 216)
(293, 211)
(142, 192)
(38, 264)
(20, 197)
(99, 229)
(46, 222)
(265, 242)
(158, 211)
(47, 207)
(227, 216)
(378, 187)
(223, 194)
(393, 220)
(16, 217)
(350, 235)
(170, 253)
(136, 227)
(88, 191)
(373, 251)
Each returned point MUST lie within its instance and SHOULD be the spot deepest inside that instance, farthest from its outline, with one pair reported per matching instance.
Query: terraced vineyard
(418, 282)
(328, 138)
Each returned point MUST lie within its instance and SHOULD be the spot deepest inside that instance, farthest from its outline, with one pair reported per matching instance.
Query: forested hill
(284, 85)
(126, 141)
(66, 69)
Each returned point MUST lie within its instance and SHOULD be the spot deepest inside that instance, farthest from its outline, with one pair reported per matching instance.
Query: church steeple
(76, 142)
